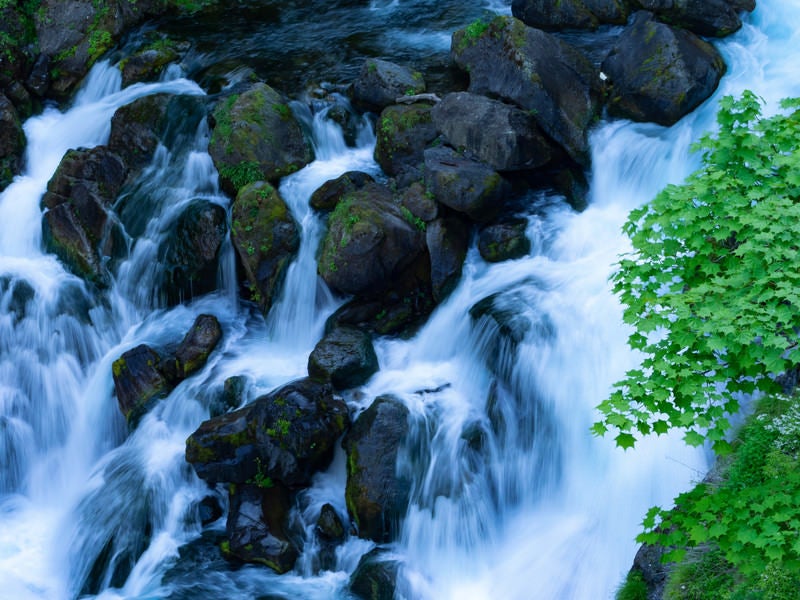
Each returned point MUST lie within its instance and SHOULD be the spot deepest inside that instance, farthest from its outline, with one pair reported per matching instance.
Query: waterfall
(511, 495)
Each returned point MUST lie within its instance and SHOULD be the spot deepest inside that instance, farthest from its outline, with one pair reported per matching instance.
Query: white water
(540, 510)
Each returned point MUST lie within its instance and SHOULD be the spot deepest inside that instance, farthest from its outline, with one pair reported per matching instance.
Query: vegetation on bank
(712, 289)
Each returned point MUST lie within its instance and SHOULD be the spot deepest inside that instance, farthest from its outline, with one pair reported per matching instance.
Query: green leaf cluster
(748, 516)
(712, 285)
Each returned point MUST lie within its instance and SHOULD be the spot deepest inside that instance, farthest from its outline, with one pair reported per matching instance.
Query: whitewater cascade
(512, 497)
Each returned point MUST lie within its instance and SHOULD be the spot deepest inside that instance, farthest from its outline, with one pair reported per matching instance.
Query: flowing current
(511, 498)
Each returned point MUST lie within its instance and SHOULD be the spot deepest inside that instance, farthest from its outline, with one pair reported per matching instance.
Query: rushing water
(512, 497)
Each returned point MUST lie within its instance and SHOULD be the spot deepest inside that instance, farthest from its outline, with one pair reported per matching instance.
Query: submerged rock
(660, 74)
(256, 138)
(535, 71)
(504, 241)
(556, 15)
(376, 496)
(266, 238)
(375, 577)
(285, 436)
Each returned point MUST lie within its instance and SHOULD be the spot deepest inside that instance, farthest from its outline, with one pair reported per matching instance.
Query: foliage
(712, 287)
(752, 517)
(633, 588)
(242, 173)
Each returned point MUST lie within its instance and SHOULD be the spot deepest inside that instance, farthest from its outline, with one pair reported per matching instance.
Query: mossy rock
(381, 82)
(344, 357)
(403, 133)
(266, 237)
(256, 138)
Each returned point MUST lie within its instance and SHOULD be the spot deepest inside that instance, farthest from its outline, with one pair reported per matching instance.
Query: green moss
(283, 111)
(225, 548)
(242, 173)
(118, 366)
(470, 34)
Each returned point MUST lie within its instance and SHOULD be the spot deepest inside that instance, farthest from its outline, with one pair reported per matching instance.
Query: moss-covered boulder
(381, 82)
(535, 71)
(556, 15)
(465, 185)
(344, 357)
(191, 254)
(76, 226)
(403, 133)
(149, 62)
(12, 142)
(377, 498)
(136, 129)
(327, 196)
(713, 18)
(266, 238)
(196, 346)
(447, 239)
(256, 138)
(504, 241)
(257, 526)
(285, 436)
(370, 241)
(658, 73)
(505, 137)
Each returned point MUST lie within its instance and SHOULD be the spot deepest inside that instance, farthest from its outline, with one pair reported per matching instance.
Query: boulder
(142, 375)
(658, 73)
(535, 71)
(447, 239)
(257, 525)
(557, 15)
(381, 82)
(148, 63)
(136, 129)
(504, 241)
(714, 18)
(403, 133)
(375, 577)
(256, 138)
(266, 238)
(191, 254)
(376, 496)
(344, 357)
(329, 193)
(505, 137)
(76, 226)
(369, 242)
(12, 142)
(284, 436)
(465, 185)
(330, 533)
(420, 202)
(140, 380)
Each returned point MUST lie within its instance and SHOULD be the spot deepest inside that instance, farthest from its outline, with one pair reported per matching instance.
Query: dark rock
(147, 64)
(420, 202)
(654, 573)
(191, 255)
(704, 17)
(329, 525)
(256, 138)
(285, 436)
(376, 497)
(15, 294)
(375, 577)
(556, 15)
(536, 71)
(12, 142)
(233, 394)
(139, 382)
(197, 345)
(403, 133)
(136, 129)
(380, 83)
(17, 46)
(329, 193)
(39, 79)
(465, 185)
(266, 238)
(447, 239)
(344, 357)
(369, 242)
(660, 74)
(256, 527)
(503, 136)
(504, 241)
(77, 227)
(209, 510)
